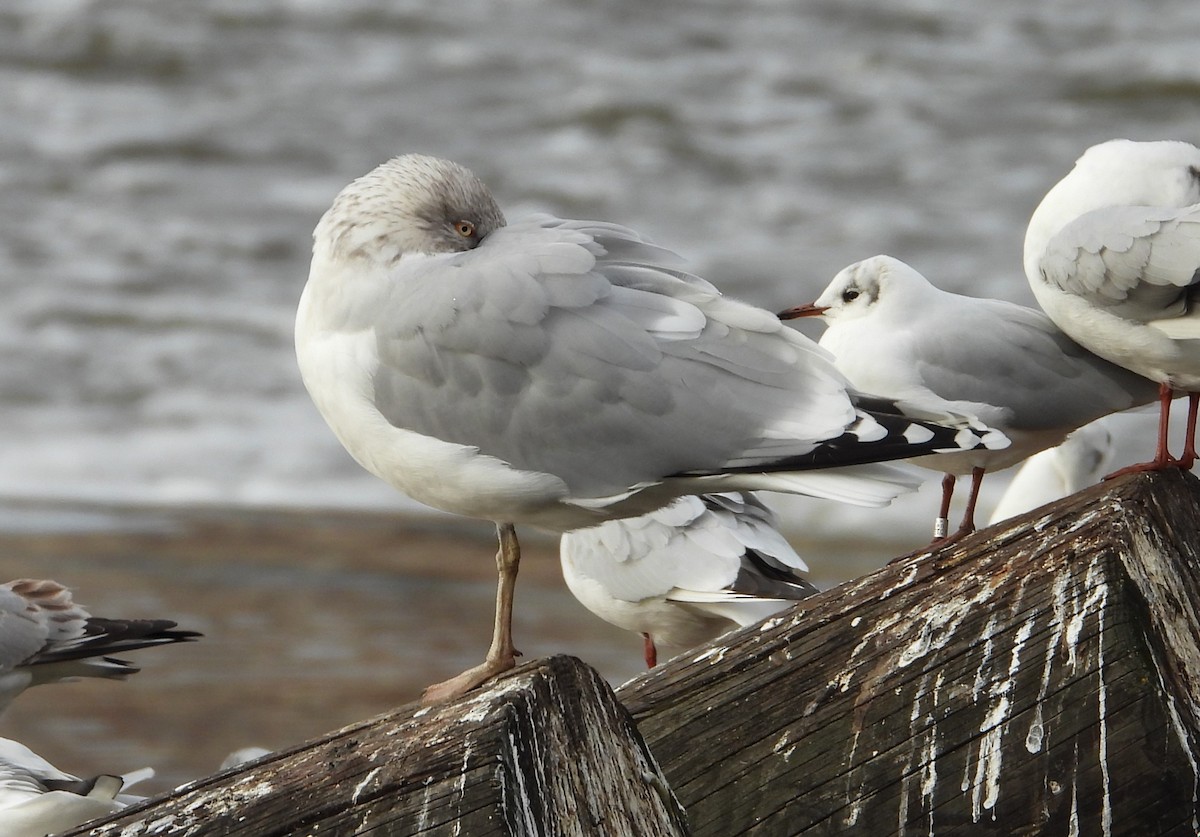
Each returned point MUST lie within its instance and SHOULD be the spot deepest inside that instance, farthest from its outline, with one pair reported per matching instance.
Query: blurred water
(162, 165)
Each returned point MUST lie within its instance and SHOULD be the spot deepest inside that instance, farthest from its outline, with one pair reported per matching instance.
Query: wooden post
(546, 750)
(1039, 677)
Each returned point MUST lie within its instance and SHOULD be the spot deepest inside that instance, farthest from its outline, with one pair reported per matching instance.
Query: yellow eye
(465, 228)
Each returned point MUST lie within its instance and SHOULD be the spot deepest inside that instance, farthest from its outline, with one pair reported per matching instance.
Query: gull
(561, 373)
(686, 573)
(895, 334)
(45, 637)
(1113, 256)
(36, 798)
(1079, 461)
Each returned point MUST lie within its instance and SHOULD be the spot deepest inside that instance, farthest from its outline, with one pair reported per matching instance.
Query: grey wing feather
(1051, 382)
(565, 335)
(697, 548)
(1137, 254)
(22, 632)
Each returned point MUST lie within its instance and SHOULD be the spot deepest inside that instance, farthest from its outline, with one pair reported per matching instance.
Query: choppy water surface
(162, 165)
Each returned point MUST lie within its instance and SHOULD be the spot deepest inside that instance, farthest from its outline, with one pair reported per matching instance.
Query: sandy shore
(312, 620)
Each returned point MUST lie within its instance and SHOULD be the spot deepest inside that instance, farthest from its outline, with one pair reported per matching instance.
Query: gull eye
(849, 296)
(464, 228)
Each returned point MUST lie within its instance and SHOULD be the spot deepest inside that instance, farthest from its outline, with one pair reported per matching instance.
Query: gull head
(1120, 172)
(863, 288)
(411, 204)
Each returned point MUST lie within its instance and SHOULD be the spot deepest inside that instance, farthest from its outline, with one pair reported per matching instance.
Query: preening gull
(561, 373)
(36, 798)
(893, 333)
(45, 637)
(1079, 461)
(1113, 256)
(687, 572)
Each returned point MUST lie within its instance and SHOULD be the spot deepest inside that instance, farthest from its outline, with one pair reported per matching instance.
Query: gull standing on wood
(895, 334)
(685, 573)
(562, 373)
(45, 638)
(36, 798)
(1113, 256)
(1081, 460)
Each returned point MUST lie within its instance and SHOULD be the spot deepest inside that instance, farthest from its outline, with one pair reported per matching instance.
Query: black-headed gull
(1113, 256)
(1079, 461)
(36, 798)
(685, 573)
(562, 373)
(46, 637)
(893, 333)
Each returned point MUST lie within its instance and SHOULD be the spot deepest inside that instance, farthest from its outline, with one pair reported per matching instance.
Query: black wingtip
(102, 637)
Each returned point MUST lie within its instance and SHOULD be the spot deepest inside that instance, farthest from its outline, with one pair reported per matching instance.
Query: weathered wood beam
(546, 750)
(1040, 677)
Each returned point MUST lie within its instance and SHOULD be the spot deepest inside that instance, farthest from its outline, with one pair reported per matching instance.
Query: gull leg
(968, 521)
(1162, 457)
(1189, 442)
(942, 524)
(650, 650)
(501, 656)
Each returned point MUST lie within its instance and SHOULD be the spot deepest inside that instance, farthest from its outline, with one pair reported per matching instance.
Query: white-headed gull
(36, 798)
(562, 373)
(1113, 256)
(1079, 461)
(895, 334)
(45, 637)
(687, 572)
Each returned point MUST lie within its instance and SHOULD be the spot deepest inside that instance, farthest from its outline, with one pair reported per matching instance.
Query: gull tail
(886, 430)
(87, 655)
(856, 467)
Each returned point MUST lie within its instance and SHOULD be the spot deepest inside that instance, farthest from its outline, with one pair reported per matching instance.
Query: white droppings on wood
(160, 825)
(713, 655)
(918, 648)
(930, 756)
(358, 789)
(770, 624)
(1036, 735)
(987, 638)
(1073, 823)
(1098, 596)
(991, 747)
(965, 784)
(940, 622)
(910, 767)
(423, 823)
(1185, 742)
(905, 580)
(856, 798)
(855, 622)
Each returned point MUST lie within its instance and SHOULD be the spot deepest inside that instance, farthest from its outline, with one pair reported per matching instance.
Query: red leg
(650, 650)
(942, 524)
(1162, 457)
(501, 656)
(1189, 442)
(968, 521)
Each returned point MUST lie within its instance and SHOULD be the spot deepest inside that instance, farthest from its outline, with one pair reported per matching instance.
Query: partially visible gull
(1113, 256)
(46, 637)
(687, 572)
(37, 799)
(893, 333)
(563, 373)
(1079, 461)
